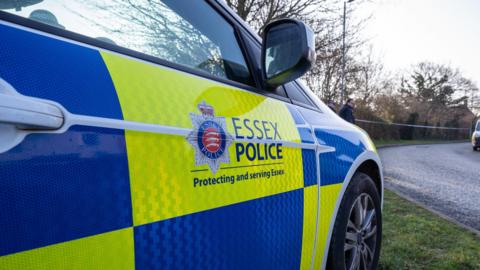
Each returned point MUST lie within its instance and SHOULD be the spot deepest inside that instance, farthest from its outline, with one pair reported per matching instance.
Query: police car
(167, 135)
(476, 137)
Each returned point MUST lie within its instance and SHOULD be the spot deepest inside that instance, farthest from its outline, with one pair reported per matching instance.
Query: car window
(296, 94)
(188, 33)
(313, 97)
(478, 126)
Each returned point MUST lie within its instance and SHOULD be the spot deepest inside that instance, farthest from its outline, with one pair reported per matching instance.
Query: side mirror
(288, 51)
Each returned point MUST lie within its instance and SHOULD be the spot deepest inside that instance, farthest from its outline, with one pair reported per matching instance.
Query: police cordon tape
(408, 125)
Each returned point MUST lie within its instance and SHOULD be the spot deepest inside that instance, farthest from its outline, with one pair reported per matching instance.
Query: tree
(259, 13)
(326, 19)
(370, 78)
(436, 84)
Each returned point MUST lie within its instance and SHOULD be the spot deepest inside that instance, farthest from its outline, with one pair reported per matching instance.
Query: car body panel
(120, 185)
(476, 135)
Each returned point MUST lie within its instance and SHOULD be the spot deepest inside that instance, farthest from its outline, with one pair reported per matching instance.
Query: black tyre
(357, 232)
(474, 148)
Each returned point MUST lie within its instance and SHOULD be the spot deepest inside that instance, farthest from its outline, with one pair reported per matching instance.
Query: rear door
(65, 197)
(168, 155)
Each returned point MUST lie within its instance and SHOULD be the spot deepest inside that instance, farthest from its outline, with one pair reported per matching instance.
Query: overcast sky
(404, 32)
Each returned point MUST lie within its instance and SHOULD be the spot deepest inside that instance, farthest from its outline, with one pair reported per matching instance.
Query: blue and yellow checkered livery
(101, 198)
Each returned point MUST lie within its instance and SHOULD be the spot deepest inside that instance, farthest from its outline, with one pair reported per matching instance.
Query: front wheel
(357, 231)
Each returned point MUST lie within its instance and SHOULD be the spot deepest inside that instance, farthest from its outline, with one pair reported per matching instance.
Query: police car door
(312, 123)
(64, 177)
(146, 143)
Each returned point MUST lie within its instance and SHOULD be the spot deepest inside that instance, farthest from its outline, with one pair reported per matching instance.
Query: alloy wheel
(361, 234)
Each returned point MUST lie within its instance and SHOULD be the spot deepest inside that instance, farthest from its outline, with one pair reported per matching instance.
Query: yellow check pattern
(112, 250)
(162, 167)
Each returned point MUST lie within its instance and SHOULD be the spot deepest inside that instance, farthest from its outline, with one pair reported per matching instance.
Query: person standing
(331, 105)
(346, 112)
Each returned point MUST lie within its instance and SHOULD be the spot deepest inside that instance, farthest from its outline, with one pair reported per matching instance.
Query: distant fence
(397, 131)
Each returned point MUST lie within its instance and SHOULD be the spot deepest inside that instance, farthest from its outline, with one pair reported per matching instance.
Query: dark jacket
(346, 112)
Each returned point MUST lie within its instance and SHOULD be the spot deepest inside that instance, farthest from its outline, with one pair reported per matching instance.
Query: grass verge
(414, 238)
(402, 142)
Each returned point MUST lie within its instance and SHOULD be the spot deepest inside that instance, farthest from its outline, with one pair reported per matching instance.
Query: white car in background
(476, 137)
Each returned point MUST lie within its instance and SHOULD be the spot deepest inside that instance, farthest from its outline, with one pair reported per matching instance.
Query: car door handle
(29, 113)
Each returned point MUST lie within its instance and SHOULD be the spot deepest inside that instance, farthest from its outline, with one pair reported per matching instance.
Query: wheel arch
(371, 168)
(369, 163)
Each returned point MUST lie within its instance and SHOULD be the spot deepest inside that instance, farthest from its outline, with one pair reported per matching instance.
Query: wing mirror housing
(288, 51)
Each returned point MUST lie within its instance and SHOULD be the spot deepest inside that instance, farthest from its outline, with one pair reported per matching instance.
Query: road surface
(445, 177)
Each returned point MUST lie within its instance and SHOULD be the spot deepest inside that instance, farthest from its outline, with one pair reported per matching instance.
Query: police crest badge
(209, 138)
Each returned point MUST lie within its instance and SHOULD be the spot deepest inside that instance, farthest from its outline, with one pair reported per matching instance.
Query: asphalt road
(445, 177)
